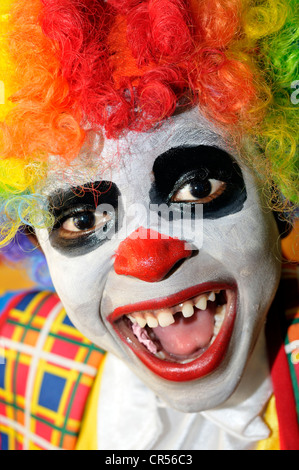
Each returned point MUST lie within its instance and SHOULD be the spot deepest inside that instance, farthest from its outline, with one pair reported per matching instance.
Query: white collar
(131, 417)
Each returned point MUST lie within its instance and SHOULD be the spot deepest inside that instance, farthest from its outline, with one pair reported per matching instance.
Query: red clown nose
(149, 255)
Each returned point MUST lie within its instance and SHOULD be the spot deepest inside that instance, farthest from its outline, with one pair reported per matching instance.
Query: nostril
(149, 256)
(174, 268)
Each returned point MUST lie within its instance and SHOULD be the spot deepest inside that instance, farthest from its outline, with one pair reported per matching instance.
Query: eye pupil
(84, 221)
(200, 189)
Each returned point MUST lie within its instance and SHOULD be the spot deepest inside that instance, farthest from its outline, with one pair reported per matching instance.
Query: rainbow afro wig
(68, 66)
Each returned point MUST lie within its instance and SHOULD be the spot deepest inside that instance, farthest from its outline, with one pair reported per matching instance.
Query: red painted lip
(208, 360)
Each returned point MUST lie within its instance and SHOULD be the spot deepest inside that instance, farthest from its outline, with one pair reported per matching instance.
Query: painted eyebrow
(87, 197)
(206, 162)
(88, 194)
(174, 162)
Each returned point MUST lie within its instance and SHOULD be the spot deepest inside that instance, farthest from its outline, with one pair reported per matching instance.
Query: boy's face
(184, 315)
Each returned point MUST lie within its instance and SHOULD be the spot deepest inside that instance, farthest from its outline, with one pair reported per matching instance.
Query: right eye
(85, 217)
(199, 191)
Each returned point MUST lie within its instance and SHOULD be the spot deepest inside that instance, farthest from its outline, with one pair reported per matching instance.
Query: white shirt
(132, 417)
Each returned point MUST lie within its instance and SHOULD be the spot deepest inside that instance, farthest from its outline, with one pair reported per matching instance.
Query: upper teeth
(202, 303)
(165, 317)
(187, 309)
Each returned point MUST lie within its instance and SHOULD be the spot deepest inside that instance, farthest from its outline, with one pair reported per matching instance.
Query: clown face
(162, 254)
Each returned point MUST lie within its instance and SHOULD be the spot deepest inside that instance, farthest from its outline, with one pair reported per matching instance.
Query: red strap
(281, 378)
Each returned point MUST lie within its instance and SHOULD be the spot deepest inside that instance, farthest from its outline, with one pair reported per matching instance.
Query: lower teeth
(160, 355)
(219, 317)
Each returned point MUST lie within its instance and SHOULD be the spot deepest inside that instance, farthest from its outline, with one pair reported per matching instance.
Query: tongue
(187, 335)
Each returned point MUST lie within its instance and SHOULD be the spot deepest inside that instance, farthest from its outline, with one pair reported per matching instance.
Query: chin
(208, 392)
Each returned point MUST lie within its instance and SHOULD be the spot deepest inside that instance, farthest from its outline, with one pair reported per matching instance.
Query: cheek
(243, 241)
(246, 246)
(80, 285)
(79, 281)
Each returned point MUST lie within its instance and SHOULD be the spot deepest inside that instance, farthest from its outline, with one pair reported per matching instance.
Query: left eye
(84, 221)
(199, 191)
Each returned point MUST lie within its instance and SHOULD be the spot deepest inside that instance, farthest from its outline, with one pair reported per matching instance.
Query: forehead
(132, 155)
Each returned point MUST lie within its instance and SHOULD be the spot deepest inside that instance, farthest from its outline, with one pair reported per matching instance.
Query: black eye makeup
(198, 175)
(84, 217)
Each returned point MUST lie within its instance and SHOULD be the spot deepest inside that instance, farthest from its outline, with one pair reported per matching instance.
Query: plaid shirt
(46, 375)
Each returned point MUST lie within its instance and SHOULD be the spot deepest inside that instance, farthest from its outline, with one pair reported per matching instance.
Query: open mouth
(182, 337)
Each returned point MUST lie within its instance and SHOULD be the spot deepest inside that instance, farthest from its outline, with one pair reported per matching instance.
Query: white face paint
(234, 252)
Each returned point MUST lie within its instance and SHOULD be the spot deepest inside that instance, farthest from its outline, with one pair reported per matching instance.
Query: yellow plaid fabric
(46, 376)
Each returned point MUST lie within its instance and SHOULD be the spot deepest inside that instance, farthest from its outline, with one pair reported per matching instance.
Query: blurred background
(13, 279)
